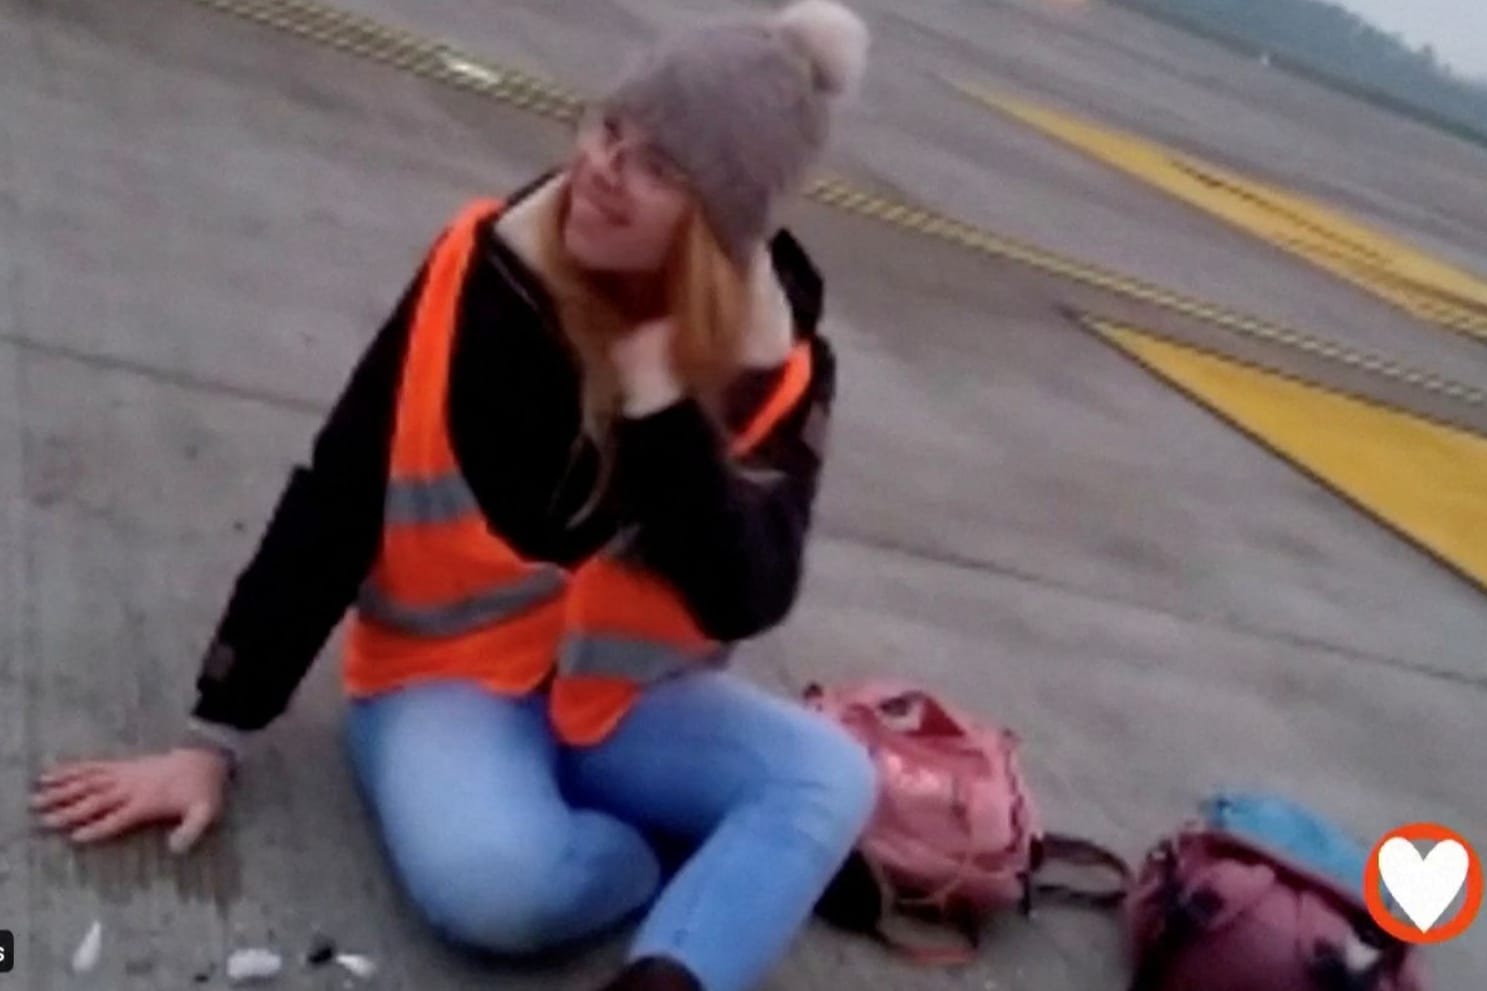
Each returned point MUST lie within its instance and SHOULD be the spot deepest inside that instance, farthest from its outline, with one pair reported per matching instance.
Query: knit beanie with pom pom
(742, 108)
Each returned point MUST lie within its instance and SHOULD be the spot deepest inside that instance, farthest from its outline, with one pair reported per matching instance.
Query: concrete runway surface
(203, 220)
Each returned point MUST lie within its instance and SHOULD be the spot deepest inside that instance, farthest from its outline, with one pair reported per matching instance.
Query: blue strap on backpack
(1291, 831)
(1294, 833)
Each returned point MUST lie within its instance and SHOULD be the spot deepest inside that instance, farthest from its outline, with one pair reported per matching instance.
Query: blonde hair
(701, 291)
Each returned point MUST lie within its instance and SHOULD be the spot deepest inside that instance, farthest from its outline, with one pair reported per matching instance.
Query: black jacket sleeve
(319, 545)
(728, 534)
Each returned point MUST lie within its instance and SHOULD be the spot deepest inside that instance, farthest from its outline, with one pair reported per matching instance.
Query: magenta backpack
(1260, 893)
(956, 834)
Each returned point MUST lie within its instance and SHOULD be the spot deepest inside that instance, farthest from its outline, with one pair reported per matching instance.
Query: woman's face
(626, 200)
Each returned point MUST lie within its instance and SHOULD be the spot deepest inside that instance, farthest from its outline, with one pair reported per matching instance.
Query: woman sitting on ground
(577, 463)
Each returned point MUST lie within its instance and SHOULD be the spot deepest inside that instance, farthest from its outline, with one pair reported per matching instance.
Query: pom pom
(832, 38)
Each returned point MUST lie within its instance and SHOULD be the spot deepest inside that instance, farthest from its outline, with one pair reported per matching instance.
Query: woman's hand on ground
(98, 800)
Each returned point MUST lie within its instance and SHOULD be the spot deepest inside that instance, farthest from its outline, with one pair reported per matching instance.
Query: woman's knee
(522, 901)
(837, 779)
(481, 894)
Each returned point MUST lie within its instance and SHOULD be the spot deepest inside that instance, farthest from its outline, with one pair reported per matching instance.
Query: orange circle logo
(1423, 886)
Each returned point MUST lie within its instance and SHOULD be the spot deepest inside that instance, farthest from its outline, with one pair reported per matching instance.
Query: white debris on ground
(358, 965)
(85, 957)
(253, 965)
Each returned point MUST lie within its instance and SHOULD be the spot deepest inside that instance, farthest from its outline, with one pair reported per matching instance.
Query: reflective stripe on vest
(436, 500)
(452, 619)
(639, 660)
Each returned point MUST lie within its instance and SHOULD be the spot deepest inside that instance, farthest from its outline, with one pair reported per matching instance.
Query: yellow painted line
(425, 58)
(1421, 284)
(1422, 479)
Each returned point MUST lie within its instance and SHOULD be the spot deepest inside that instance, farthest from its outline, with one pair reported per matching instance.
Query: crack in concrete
(1001, 570)
(155, 373)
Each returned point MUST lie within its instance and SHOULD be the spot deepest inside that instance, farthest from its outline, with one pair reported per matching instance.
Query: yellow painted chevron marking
(1423, 285)
(1424, 480)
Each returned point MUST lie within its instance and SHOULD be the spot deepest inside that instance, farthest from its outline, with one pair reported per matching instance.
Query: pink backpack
(1221, 911)
(956, 835)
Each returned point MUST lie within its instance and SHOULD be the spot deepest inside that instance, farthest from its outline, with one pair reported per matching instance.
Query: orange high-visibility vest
(448, 598)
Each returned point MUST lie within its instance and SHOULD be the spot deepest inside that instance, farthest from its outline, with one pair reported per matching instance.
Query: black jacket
(730, 541)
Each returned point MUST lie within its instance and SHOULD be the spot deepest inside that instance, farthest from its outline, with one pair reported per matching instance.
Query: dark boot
(654, 974)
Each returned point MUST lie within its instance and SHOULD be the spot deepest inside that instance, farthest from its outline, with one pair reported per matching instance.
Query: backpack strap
(1181, 919)
(861, 881)
(1061, 848)
(1049, 848)
(962, 950)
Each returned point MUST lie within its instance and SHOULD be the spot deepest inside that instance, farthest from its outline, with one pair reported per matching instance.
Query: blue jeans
(510, 842)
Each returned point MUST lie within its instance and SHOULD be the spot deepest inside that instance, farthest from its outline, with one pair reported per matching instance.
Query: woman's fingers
(121, 819)
(85, 809)
(48, 797)
(63, 773)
